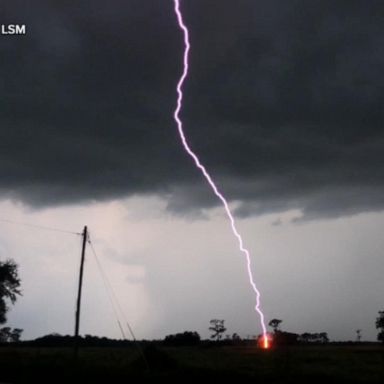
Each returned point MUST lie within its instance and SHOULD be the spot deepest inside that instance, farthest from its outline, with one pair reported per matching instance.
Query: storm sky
(284, 106)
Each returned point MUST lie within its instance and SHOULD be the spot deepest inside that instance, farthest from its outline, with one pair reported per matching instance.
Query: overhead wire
(42, 227)
(107, 287)
(115, 303)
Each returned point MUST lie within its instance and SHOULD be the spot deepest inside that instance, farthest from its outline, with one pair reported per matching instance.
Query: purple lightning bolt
(187, 47)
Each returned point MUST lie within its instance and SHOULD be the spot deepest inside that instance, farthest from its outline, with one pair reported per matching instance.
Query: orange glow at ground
(265, 341)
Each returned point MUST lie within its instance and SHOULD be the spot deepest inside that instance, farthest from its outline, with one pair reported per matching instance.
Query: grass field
(344, 364)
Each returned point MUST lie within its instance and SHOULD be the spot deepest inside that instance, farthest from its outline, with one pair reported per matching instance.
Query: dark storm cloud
(284, 103)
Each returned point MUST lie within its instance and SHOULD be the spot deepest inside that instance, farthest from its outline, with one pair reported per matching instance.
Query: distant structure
(358, 335)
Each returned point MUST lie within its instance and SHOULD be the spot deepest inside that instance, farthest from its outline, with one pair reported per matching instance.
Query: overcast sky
(284, 106)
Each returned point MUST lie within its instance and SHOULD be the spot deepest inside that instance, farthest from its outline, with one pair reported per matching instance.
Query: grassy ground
(344, 364)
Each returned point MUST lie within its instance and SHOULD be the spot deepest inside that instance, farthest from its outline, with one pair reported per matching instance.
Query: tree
(275, 323)
(380, 326)
(217, 327)
(15, 335)
(323, 337)
(285, 338)
(182, 339)
(315, 338)
(9, 286)
(9, 335)
(5, 334)
(358, 335)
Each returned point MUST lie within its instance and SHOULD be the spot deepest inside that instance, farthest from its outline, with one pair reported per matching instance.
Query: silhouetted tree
(9, 335)
(9, 286)
(182, 339)
(5, 334)
(15, 335)
(317, 338)
(217, 327)
(323, 337)
(358, 335)
(285, 338)
(380, 326)
(275, 323)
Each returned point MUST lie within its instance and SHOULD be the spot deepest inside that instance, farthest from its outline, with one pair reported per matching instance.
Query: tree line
(10, 290)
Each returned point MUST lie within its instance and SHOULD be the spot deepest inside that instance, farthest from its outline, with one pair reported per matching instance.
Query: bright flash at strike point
(265, 341)
(187, 47)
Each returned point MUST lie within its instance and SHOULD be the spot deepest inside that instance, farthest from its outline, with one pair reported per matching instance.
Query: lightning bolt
(187, 47)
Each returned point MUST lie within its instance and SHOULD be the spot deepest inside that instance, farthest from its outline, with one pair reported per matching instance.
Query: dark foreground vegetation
(342, 363)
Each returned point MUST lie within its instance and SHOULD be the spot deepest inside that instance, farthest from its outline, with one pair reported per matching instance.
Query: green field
(345, 364)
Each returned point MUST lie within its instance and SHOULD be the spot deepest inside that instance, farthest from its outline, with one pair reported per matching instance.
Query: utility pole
(77, 319)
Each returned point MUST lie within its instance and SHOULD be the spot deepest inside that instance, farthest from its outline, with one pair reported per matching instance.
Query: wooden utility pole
(77, 320)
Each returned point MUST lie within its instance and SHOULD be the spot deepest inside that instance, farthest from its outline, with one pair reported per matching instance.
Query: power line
(110, 291)
(36, 226)
(107, 287)
(115, 303)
